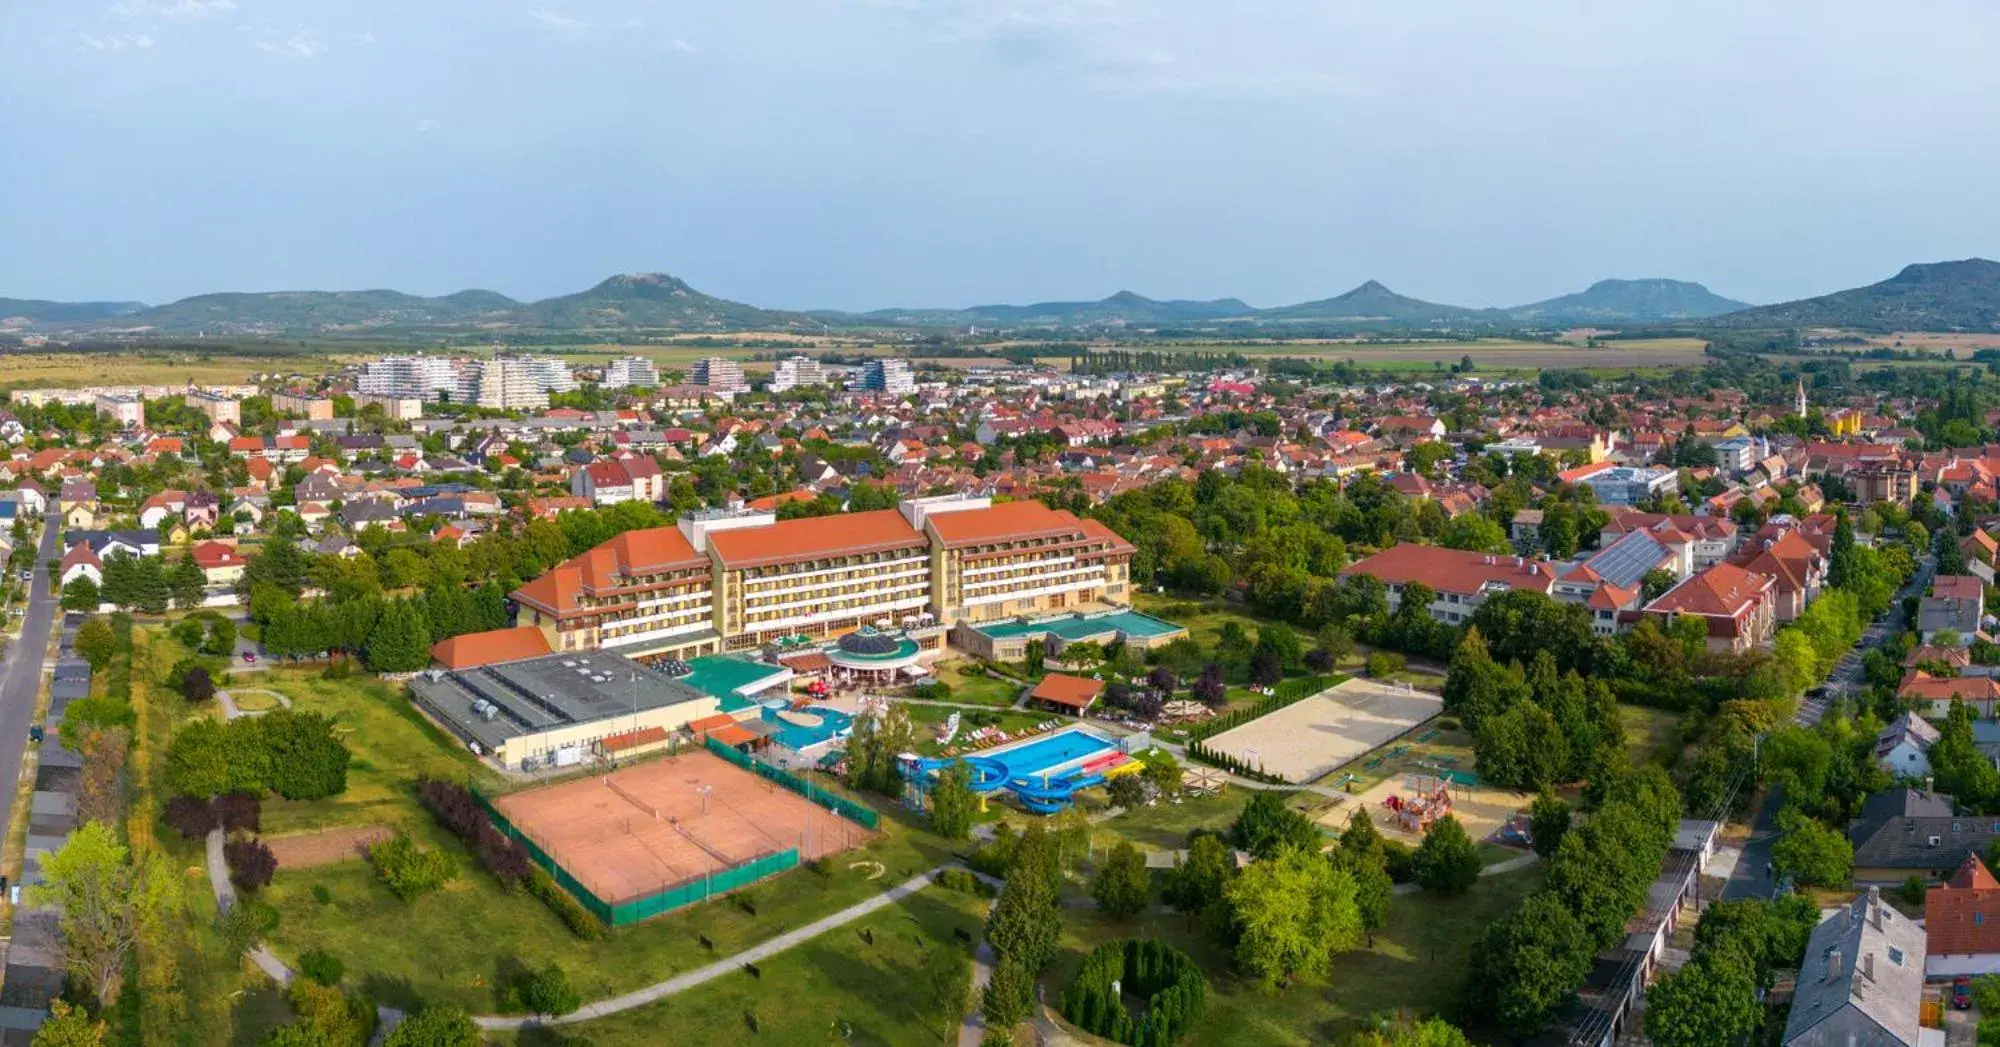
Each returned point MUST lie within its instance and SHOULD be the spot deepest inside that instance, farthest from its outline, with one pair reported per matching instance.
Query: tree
(1373, 887)
(307, 760)
(1655, 584)
(96, 644)
(946, 989)
(80, 594)
(1431, 1032)
(1123, 886)
(548, 991)
(1447, 861)
(952, 802)
(1528, 964)
(1293, 911)
(104, 899)
(197, 685)
(1712, 999)
(1265, 826)
(400, 641)
(1548, 820)
(69, 1027)
(1010, 993)
(1127, 791)
(1037, 654)
(251, 864)
(1026, 922)
(435, 1025)
(186, 584)
(1523, 747)
(1810, 854)
(1198, 880)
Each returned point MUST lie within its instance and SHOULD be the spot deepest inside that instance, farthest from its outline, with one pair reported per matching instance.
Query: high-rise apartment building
(721, 375)
(629, 372)
(796, 371)
(549, 374)
(503, 383)
(409, 377)
(888, 376)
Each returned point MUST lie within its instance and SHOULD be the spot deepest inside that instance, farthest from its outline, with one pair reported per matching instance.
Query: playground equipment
(1429, 799)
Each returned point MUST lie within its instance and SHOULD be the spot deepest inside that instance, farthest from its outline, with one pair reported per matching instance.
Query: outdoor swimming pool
(797, 732)
(1074, 627)
(1049, 753)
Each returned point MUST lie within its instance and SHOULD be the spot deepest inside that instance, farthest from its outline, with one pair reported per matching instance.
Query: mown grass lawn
(1416, 964)
(448, 945)
(972, 686)
(1204, 619)
(392, 743)
(1164, 826)
(835, 988)
(1650, 734)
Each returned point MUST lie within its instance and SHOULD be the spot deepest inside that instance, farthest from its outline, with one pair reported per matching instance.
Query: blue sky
(867, 153)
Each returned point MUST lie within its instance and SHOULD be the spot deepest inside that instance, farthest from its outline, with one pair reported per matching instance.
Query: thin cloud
(425, 127)
(181, 9)
(556, 21)
(682, 46)
(114, 42)
(305, 44)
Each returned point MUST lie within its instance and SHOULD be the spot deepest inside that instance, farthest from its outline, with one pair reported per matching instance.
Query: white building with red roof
(1738, 606)
(1459, 580)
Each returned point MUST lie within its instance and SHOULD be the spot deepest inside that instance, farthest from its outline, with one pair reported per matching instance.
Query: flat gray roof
(542, 694)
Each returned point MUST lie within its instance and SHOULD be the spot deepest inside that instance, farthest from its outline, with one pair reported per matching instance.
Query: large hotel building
(727, 581)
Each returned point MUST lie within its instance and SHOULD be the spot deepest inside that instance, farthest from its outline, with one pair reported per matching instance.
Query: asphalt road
(1752, 878)
(22, 679)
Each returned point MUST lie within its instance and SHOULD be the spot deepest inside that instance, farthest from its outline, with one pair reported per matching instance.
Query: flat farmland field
(1493, 353)
(59, 370)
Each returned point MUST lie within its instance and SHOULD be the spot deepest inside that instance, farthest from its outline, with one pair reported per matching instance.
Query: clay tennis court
(642, 829)
(1312, 736)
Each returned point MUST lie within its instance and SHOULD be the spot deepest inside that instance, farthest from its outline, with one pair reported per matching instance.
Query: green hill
(653, 300)
(1121, 309)
(1932, 296)
(274, 312)
(35, 310)
(1372, 303)
(1629, 301)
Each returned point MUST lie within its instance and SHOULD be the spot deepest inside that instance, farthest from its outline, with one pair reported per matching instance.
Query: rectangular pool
(1050, 752)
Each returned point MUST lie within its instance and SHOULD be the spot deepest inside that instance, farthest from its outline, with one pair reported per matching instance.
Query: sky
(870, 153)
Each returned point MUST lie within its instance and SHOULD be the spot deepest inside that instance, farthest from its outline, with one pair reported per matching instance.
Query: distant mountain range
(1942, 296)
(1934, 296)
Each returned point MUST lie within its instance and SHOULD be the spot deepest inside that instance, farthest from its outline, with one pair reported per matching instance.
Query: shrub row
(1216, 758)
(1285, 693)
(455, 808)
(196, 816)
(1169, 982)
(567, 909)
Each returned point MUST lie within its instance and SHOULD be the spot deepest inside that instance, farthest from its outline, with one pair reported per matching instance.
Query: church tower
(1802, 397)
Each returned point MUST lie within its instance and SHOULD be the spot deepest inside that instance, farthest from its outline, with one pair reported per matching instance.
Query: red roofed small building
(1067, 694)
(220, 562)
(1962, 921)
(1738, 606)
(1932, 695)
(1459, 580)
(472, 650)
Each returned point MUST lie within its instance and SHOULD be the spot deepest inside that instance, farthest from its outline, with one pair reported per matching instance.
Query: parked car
(250, 656)
(1961, 993)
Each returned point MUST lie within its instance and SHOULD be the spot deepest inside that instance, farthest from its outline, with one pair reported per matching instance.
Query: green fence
(633, 910)
(839, 805)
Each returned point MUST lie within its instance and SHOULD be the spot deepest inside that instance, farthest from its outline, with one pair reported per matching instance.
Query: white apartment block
(629, 372)
(793, 372)
(719, 374)
(503, 384)
(424, 378)
(888, 376)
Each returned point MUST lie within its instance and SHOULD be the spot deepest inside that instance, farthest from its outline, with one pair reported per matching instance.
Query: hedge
(1285, 693)
(1169, 982)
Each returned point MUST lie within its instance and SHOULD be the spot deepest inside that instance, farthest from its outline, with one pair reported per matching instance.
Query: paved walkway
(702, 975)
(1496, 869)
(230, 710)
(225, 899)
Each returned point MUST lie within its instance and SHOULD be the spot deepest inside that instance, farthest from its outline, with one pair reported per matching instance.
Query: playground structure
(1427, 800)
(1044, 774)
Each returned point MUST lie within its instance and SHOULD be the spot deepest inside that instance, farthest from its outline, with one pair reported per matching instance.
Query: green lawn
(1204, 619)
(927, 715)
(970, 685)
(1650, 734)
(448, 945)
(1416, 963)
(392, 743)
(1164, 827)
(807, 994)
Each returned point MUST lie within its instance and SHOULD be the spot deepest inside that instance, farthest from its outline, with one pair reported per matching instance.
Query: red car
(250, 656)
(1961, 993)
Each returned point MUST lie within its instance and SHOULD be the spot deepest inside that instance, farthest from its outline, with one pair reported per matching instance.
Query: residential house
(220, 562)
(1459, 580)
(1956, 606)
(1738, 606)
(1905, 831)
(1862, 981)
(1962, 922)
(1903, 747)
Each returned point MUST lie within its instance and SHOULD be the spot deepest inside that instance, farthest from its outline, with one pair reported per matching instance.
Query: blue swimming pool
(1032, 759)
(832, 723)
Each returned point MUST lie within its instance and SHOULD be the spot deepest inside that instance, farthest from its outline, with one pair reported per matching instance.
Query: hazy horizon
(866, 154)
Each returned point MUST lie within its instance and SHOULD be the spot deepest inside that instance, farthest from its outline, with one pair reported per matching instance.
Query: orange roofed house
(737, 579)
(1739, 606)
(1459, 580)
(1962, 918)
